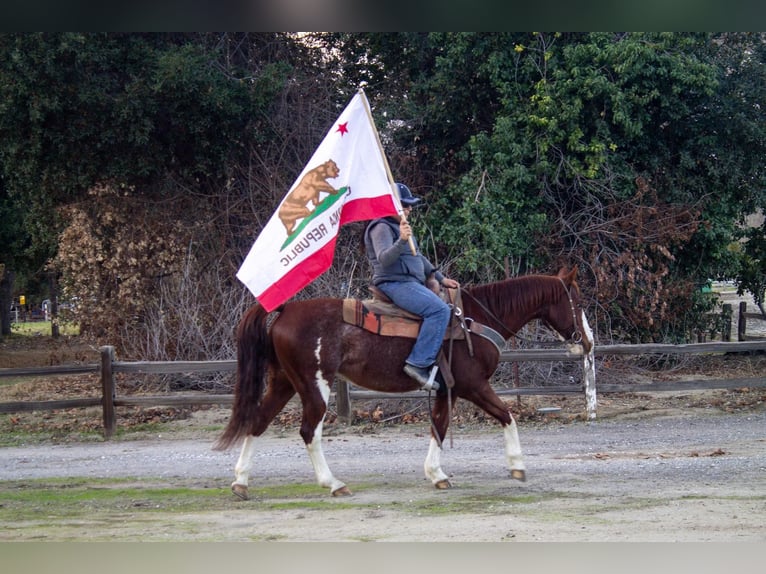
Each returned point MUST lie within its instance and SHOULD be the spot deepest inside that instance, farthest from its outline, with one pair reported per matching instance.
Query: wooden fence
(742, 322)
(109, 366)
(724, 320)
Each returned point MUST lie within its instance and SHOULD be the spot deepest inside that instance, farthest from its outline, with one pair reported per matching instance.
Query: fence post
(107, 390)
(342, 401)
(742, 323)
(726, 316)
(589, 381)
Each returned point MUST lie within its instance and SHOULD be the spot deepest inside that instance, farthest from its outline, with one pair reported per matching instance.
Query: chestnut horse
(309, 344)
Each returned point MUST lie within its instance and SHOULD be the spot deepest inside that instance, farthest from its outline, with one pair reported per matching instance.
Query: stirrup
(432, 384)
(426, 379)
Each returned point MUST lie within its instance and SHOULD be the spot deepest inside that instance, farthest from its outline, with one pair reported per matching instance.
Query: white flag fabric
(346, 180)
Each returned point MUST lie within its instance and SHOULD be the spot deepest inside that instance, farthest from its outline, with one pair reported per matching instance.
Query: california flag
(345, 180)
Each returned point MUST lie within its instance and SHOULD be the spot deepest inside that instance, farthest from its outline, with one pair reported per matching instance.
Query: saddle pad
(386, 319)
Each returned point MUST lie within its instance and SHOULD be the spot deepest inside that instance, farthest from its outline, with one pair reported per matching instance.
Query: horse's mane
(515, 296)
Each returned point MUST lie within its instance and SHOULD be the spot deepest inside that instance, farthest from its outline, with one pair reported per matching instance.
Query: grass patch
(476, 504)
(304, 496)
(38, 328)
(80, 498)
(748, 497)
(10, 438)
(80, 509)
(25, 499)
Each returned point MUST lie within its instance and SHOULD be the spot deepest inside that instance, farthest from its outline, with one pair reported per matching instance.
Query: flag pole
(391, 181)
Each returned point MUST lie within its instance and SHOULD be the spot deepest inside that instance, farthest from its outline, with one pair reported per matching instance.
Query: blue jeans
(420, 300)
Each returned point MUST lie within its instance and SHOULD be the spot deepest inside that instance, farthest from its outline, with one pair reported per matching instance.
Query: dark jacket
(391, 257)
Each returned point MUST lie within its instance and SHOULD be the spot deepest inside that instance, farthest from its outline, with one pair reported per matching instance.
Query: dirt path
(681, 475)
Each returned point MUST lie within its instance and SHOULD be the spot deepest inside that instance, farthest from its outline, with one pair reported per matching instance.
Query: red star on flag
(343, 128)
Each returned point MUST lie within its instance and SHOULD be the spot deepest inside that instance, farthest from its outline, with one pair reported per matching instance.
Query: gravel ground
(681, 475)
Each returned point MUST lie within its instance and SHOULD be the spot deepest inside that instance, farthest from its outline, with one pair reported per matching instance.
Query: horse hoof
(240, 491)
(443, 484)
(342, 491)
(519, 475)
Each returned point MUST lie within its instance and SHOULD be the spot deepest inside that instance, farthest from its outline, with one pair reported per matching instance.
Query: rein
(491, 315)
(576, 337)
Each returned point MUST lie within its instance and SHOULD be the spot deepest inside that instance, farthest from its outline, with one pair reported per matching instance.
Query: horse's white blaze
(314, 448)
(433, 465)
(513, 446)
(589, 370)
(245, 461)
(322, 383)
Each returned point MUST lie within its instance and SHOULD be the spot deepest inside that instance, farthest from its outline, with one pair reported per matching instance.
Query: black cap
(408, 200)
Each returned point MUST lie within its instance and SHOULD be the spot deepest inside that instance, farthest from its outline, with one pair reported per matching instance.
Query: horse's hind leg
(278, 392)
(314, 410)
(242, 468)
(323, 473)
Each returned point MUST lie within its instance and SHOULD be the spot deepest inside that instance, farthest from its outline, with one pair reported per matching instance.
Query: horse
(308, 345)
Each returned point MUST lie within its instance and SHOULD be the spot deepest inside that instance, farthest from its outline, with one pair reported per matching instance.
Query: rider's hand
(405, 231)
(450, 283)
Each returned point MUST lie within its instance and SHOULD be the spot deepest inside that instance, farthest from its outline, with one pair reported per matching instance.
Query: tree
(13, 244)
(156, 114)
(633, 154)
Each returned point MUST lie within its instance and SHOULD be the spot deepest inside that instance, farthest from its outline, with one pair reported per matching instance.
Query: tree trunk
(6, 290)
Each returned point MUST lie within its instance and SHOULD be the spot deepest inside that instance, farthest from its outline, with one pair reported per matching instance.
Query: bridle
(576, 337)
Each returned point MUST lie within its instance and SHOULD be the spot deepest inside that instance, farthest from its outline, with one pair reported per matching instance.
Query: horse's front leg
(432, 465)
(484, 397)
(513, 450)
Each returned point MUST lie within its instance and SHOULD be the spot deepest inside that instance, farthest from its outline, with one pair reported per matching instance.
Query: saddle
(381, 316)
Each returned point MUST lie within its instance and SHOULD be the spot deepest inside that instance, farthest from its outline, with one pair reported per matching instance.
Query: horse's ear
(567, 276)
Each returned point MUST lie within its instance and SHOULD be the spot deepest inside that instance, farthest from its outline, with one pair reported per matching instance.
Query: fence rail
(109, 400)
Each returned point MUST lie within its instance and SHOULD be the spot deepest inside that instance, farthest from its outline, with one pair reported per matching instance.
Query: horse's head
(512, 303)
(566, 315)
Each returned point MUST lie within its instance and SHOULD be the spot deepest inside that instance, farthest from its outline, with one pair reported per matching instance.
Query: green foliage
(81, 109)
(118, 107)
(632, 154)
(491, 213)
(13, 239)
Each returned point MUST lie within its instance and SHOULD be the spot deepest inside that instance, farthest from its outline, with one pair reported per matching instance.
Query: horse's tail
(255, 353)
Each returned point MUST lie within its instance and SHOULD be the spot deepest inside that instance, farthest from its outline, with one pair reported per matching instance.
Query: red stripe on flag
(297, 278)
(367, 208)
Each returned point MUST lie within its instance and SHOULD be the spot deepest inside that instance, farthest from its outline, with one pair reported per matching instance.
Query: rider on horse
(402, 277)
